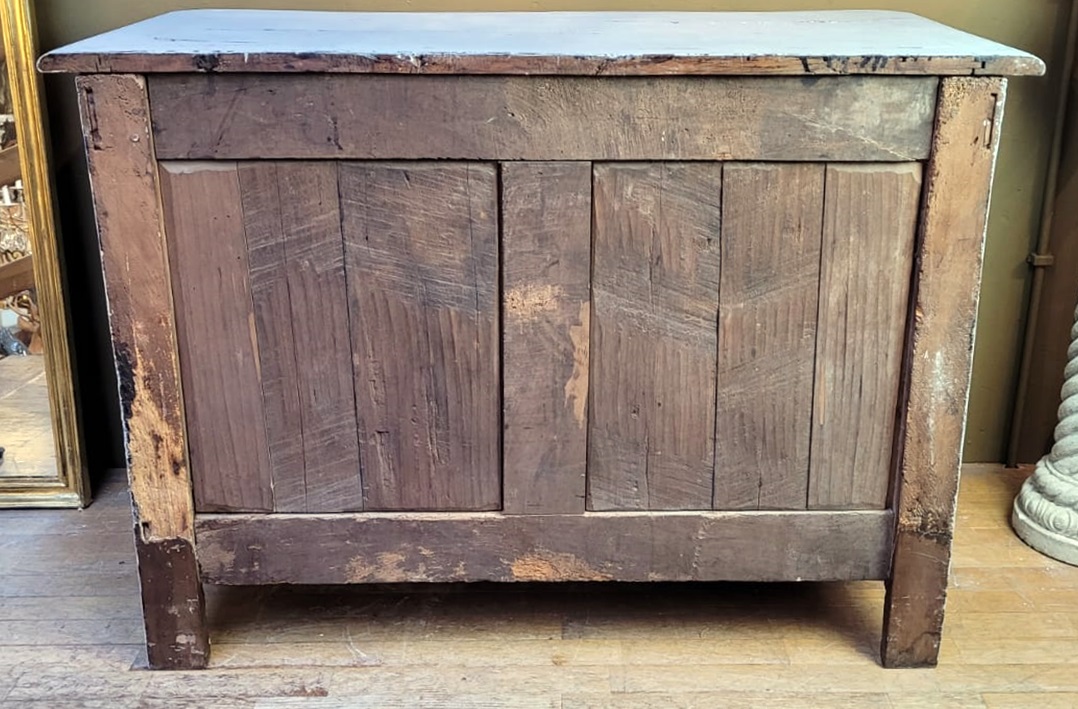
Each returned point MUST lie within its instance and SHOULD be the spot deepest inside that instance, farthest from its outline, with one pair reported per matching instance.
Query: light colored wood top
(566, 43)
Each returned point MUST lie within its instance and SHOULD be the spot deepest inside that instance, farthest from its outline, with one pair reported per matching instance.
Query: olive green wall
(1037, 26)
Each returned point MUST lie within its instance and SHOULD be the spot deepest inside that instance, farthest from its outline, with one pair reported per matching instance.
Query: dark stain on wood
(171, 590)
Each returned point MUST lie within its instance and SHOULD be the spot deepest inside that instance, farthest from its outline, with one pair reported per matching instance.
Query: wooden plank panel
(16, 276)
(537, 118)
(940, 359)
(421, 247)
(292, 221)
(772, 227)
(119, 154)
(216, 337)
(602, 546)
(271, 300)
(655, 302)
(870, 218)
(546, 313)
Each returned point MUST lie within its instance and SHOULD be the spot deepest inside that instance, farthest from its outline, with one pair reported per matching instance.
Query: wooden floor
(25, 422)
(70, 633)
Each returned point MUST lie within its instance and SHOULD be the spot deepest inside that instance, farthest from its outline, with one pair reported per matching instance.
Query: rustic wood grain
(216, 338)
(870, 219)
(119, 155)
(585, 43)
(602, 546)
(16, 276)
(948, 266)
(546, 335)
(296, 255)
(655, 293)
(536, 118)
(421, 249)
(771, 236)
(10, 169)
(277, 359)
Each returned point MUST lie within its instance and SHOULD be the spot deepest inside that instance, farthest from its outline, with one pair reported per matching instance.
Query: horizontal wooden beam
(199, 117)
(490, 546)
(16, 276)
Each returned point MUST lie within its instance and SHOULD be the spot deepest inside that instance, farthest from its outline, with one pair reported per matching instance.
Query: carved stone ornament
(1046, 508)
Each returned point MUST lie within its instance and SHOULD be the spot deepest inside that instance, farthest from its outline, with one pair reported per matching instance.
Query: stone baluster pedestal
(1046, 509)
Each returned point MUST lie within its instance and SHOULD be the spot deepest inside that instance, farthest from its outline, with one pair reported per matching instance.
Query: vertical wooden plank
(772, 227)
(119, 153)
(870, 220)
(655, 307)
(421, 248)
(292, 221)
(958, 183)
(272, 305)
(546, 311)
(216, 336)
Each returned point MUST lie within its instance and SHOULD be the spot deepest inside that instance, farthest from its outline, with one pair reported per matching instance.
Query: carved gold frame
(70, 487)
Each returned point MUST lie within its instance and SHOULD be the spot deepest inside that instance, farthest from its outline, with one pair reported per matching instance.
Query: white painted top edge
(847, 33)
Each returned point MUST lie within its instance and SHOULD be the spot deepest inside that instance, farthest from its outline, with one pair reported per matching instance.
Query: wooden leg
(940, 358)
(123, 173)
(172, 605)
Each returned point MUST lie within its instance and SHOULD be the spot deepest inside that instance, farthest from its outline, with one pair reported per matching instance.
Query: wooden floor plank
(1009, 640)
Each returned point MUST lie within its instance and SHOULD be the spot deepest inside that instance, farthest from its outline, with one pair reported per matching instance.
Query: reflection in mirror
(40, 461)
(26, 435)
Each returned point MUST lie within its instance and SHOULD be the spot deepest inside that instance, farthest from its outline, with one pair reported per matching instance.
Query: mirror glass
(40, 449)
(26, 431)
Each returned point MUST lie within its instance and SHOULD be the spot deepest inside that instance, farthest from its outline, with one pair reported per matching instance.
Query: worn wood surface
(610, 546)
(870, 220)
(546, 335)
(421, 248)
(536, 118)
(216, 339)
(296, 257)
(587, 43)
(10, 169)
(119, 154)
(655, 293)
(955, 210)
(16, 276)
(70, 631)
(771, 236)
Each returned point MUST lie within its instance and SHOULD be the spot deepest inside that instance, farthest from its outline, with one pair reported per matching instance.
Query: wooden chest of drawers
(411, 298)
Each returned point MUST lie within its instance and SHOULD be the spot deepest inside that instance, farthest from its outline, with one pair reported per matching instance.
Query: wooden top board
(550, 43)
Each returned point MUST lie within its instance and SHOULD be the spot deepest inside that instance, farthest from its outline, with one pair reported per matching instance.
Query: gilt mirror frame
(70, 487)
